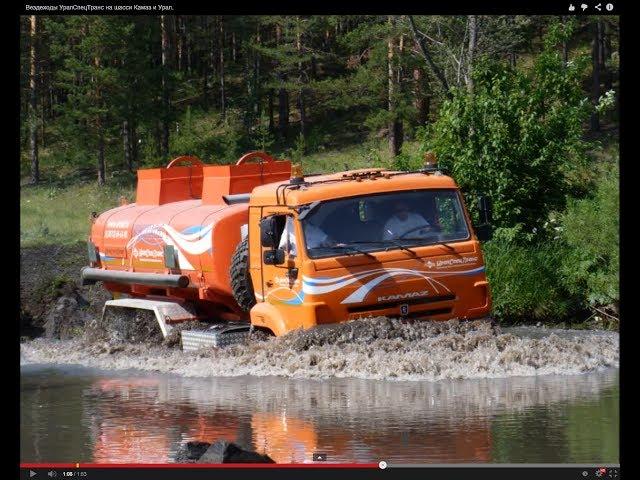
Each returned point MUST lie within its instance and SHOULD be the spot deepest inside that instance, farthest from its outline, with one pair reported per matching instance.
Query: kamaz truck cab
(360, 244)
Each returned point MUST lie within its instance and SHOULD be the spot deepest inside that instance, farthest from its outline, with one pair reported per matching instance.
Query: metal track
(219, 335)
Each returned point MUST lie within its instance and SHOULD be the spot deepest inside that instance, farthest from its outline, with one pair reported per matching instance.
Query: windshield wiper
(400, 245)
(395, 242)
(433, 243)
(353, 249)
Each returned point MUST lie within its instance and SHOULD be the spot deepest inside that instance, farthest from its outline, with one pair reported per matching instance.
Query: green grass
(366, 155)
(59, 214)
(526, 283)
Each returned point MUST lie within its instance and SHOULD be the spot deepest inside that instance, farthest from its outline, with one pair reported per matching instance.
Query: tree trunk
(595, 84)
(134, 142)
(606, 55)
(394, 127)
(270, 110)
(303, 114)
(233, 47)
(213, 63)
(181, 42)
(126, 143)
(399, 72)
(427, 56)
(473, 39)
(283, 111)
(33, 117)
(164, 145)
(390, 81)
(157, 134)
(42, 117)
(301, 105)
(189, 54)
(256, 78)
(221, 48)
(248, 81)
(99, 130)
(205, 87)
(101, 167)
(283, 97)
(419, 102)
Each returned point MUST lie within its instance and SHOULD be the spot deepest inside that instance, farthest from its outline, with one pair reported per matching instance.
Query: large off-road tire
(241, 285)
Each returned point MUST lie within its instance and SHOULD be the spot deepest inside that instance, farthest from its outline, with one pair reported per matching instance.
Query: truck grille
(397, 303)
(424, 314)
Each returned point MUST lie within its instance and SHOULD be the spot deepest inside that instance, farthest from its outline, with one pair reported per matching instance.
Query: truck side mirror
(484, 232)
(273, 257)
(269, 232)
(484, 207)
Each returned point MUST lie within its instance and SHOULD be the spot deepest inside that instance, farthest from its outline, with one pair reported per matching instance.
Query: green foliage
(208, 136)
(526, 282)
(591, 229)
(91, 52)
(577, 268)
(298, 151)
(262, 138)
(413, 160)
(516, 137)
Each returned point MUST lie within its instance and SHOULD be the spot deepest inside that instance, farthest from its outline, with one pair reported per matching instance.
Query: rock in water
(222, 451)
(191, 452)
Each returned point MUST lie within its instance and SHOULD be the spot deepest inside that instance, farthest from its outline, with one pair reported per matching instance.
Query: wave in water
(378, 348)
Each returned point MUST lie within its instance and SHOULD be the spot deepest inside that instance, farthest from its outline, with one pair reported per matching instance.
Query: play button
(32, 473)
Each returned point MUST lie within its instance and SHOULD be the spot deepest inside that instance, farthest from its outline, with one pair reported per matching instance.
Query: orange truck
(257, 245)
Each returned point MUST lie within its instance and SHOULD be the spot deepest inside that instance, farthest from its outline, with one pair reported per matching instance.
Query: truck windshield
(389, 221)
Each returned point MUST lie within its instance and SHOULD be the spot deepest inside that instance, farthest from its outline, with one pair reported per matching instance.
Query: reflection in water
(86, 415)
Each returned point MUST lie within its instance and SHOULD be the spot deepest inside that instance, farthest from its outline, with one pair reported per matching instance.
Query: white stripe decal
(337, 279)
(317, 286)
(195, 243)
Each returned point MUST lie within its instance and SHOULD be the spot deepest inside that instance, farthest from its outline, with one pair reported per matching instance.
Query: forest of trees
(116, 92)
(513, 106)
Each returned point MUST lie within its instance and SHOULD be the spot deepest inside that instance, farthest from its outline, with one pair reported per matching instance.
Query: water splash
(379, 348)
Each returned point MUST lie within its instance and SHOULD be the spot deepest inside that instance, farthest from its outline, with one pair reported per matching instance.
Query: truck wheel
(241, 285)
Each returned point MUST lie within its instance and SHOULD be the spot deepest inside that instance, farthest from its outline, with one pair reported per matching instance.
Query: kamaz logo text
(402, 296)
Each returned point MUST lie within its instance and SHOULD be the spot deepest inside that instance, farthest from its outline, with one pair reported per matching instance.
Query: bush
(517, 136)
(526, 283)
(208, 137)
(591, 229)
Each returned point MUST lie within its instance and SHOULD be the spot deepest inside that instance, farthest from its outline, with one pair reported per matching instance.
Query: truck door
(282, 282)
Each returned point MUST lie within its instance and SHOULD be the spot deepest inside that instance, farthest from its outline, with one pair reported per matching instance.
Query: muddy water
(381, 349)
(398, 393)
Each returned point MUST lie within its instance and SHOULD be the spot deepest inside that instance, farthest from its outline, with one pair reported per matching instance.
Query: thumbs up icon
(571, 7)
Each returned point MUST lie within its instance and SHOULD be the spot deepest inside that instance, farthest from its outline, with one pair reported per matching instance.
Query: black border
(628, 261)
(410, 473)
(326, 7)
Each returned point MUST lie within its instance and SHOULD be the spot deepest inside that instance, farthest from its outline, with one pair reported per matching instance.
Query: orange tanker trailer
(258, 244)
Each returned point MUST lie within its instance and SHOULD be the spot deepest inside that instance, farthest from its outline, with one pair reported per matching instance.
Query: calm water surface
(75, 414)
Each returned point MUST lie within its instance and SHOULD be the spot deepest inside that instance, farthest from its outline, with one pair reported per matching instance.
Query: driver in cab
(403, 222)
(315, 237)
